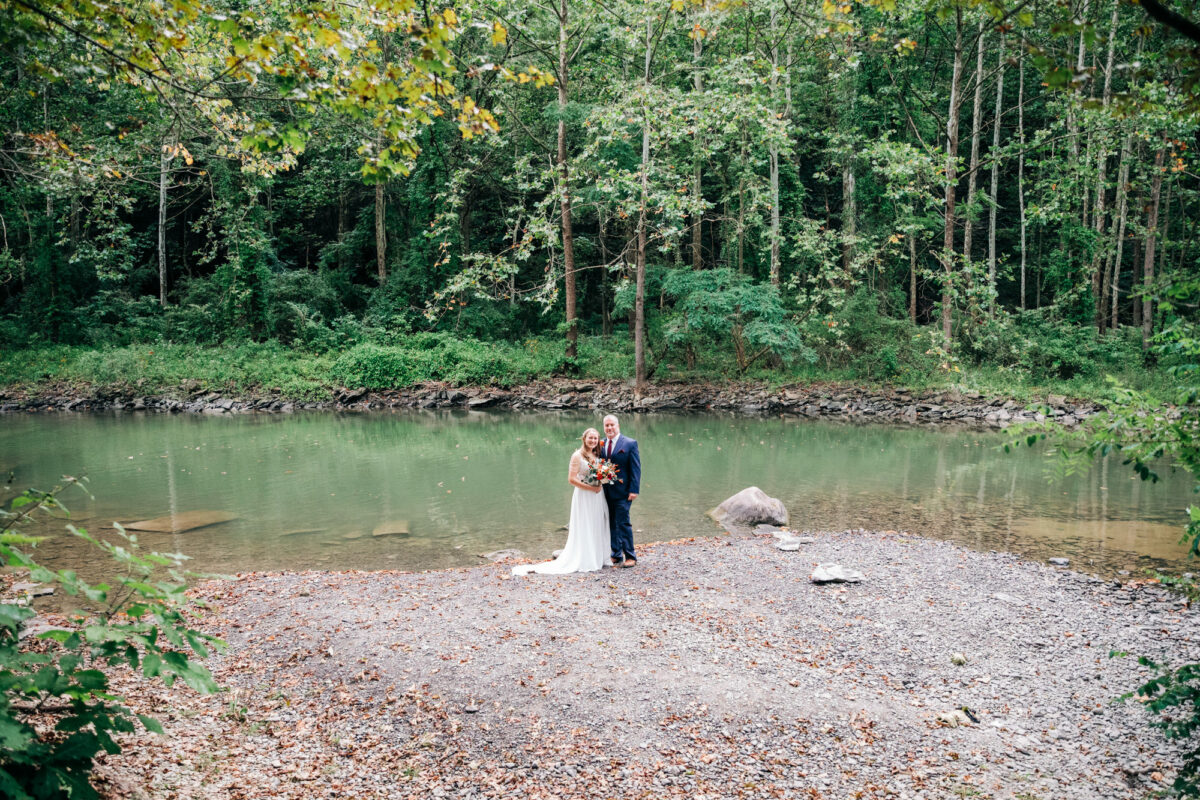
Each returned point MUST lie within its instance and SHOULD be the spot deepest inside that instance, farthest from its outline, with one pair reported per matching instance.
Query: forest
(493, 191)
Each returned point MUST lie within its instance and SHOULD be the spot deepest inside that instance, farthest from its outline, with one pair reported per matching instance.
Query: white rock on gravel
(835, 573)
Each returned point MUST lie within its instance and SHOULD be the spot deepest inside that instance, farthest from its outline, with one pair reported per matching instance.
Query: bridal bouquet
(602, 472)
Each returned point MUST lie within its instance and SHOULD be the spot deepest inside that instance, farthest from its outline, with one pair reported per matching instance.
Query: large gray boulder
(750, 507)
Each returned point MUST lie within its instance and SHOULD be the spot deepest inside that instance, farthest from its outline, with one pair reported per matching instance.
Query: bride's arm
(573, 470)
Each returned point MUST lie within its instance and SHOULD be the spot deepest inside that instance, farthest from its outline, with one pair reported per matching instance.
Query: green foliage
(1045, 347)
(1173, 696)
(871, 344)
(717, 306)
(1148, 437)
(142, 621)
(443, 357)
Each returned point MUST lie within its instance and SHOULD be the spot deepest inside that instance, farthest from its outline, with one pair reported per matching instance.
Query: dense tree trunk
(951, 177)
(1151, 238)
(564, 188)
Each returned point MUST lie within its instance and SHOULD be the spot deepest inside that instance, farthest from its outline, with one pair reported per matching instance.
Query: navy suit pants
(620, 529)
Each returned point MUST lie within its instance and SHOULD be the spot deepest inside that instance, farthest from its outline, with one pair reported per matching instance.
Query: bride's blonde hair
(583, 448)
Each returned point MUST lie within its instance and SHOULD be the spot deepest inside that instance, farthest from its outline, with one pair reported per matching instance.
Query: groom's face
(611, 428)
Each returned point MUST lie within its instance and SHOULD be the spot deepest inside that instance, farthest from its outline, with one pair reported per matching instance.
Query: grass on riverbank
(270, 367)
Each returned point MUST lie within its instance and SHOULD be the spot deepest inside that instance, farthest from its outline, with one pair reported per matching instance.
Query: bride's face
(591, 440)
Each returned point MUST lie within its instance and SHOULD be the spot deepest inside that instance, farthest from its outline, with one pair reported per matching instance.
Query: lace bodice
(580, 466)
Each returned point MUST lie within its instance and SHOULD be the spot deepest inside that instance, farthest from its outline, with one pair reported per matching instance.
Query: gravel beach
(713, 669)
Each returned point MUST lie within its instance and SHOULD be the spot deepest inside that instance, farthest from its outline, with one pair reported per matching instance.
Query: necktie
(610, 447)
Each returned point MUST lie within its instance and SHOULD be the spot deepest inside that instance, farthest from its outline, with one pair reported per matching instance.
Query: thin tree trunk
(972, 175)
(849, 216)
(951, 176)
(1151, 237)
(994, 189)
(164, 175)
(1072, 111)
(1098, 261)
(568, 239)
(773, 159)
(639, 335)
(912, 277)
(605, 314)
(1114, 281)
(341, 225)
(381, 232)
(1135, 303)
(1021, 166)
(698, 149)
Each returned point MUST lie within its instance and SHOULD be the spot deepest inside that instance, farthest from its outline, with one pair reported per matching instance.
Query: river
(310, 491)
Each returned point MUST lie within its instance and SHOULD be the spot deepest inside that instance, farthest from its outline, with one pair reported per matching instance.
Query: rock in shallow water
(1060, 562)
(750, 507)
(183, 521)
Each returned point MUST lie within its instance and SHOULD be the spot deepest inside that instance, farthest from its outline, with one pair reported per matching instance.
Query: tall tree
(950, 178)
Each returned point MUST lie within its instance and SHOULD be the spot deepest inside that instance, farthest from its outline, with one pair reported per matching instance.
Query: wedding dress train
(587, 535)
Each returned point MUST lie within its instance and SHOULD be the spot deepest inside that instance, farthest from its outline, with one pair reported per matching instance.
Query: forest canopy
(713, 186)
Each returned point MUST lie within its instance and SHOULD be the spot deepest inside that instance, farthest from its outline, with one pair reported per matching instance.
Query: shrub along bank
(1024, 357)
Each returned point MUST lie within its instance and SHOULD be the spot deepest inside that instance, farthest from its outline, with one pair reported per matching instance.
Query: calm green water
(309, 490)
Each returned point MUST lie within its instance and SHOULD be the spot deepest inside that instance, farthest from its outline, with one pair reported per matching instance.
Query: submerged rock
(396, 527)
(750, 506)
(185, 521)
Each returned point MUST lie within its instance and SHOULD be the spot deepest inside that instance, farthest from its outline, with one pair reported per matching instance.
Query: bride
(587, 538)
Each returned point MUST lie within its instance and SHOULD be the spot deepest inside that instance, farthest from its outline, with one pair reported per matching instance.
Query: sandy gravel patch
(714, 669)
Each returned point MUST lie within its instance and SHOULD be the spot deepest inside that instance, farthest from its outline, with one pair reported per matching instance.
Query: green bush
(868, 342)
(433, 357)
(1047, 348)
(375, 367)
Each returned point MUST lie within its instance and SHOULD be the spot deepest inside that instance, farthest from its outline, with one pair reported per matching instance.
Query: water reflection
(309, 491)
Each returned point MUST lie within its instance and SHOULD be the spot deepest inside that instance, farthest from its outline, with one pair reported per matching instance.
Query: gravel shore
(713, 669)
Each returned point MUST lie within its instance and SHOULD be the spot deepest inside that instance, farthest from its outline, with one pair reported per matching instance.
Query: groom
(623, 452)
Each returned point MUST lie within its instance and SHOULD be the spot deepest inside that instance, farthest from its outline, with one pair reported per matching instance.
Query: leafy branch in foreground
(56, 708)
(1144, 433)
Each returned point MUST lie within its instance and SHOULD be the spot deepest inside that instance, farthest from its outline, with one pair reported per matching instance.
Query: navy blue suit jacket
(629, 463)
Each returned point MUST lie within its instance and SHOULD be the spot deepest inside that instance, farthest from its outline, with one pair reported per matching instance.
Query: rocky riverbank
(818, 401)
(714, 669)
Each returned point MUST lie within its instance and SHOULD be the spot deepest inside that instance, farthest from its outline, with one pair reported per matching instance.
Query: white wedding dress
(588, 544)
